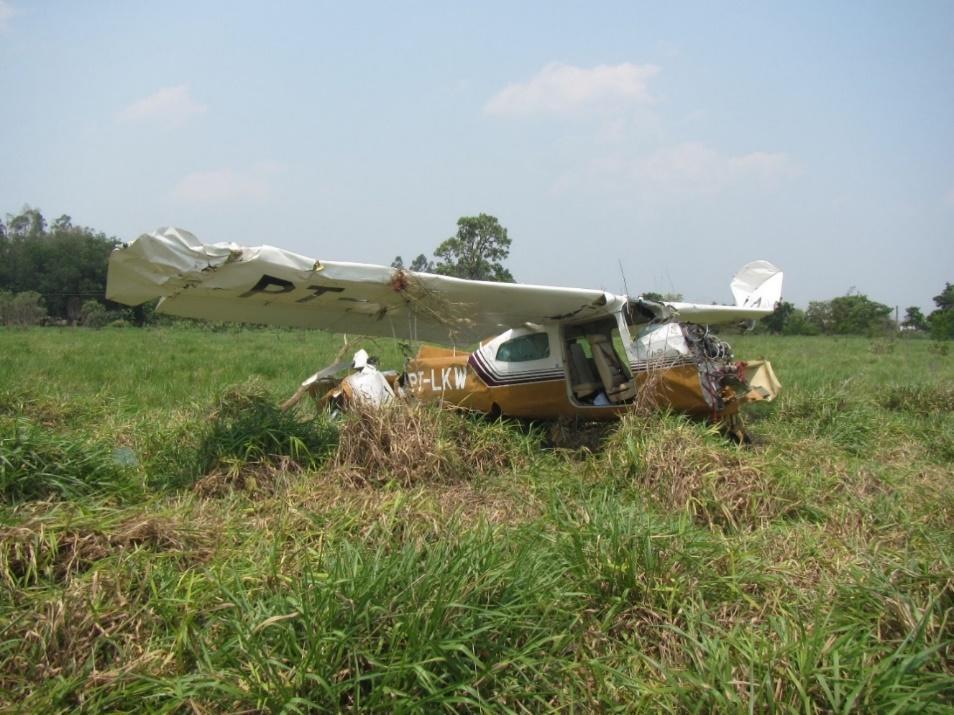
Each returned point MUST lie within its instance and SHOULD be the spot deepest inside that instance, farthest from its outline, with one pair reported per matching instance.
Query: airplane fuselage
(594, 371)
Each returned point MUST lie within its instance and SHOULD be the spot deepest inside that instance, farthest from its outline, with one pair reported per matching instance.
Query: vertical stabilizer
(757, 285)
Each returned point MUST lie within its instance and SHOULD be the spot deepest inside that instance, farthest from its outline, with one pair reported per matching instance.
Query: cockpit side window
(525, 348)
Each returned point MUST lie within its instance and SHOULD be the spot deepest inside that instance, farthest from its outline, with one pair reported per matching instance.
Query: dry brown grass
(97, 624)
(427, 510)
(40, 548)
(254, 478)
(680, 466)
(584, 438)
(86, 582)
(412, 443)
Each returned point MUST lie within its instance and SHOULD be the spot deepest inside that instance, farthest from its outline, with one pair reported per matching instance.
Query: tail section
(758, 285)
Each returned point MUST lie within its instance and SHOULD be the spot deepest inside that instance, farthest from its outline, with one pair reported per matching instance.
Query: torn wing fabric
(271, 286)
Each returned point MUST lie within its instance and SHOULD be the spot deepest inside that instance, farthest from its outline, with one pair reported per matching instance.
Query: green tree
(63, 223)
(775, 323)
(945, 300)
(422, 265)
(662, 297)
(93, 314)
(789, 320)
(849, 314)
(66, 264)
(941, 321)
(28, 308)
(798, 323)
(29, 223)
(914, 319)
(477, 251)
(21, 308)
(6, 307)
(819, 315)
(418, 265)
(942, 324)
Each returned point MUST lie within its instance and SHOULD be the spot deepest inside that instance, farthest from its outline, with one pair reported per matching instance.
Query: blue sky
(681, 139)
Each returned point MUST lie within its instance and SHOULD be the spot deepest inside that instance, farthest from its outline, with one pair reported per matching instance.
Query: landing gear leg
(734, 429)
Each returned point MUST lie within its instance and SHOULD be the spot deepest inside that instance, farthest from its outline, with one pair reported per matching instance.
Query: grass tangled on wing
(411, 443)
(38, 463)
(681, 465)
(243, 441)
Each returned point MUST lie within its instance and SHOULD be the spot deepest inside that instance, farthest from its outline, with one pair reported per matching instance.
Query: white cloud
(694, 167)
(172, 106)
(564, 89)
(7, 11)
(227, 185)
(767, 165)
(678, 171)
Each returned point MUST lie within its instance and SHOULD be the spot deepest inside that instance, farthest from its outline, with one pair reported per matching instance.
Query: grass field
(169, 541)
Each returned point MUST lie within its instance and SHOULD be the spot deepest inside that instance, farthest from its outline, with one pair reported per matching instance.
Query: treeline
(857, 314)
(56, 274)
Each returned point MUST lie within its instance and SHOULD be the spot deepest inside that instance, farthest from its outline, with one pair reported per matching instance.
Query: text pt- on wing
(268, 285)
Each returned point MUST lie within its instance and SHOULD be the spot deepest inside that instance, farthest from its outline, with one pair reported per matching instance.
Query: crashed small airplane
(557, 352)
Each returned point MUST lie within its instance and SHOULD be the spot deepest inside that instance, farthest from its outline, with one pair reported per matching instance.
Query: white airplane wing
(267, 285)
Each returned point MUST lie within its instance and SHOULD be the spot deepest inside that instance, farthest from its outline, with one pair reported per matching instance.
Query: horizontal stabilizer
(757, 287)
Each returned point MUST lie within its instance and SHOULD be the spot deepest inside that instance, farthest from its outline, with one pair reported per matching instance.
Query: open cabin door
(597, 373)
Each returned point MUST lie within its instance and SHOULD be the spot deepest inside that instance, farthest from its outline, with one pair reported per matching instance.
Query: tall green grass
(37, 463)
(263, 561)
(242, 428)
